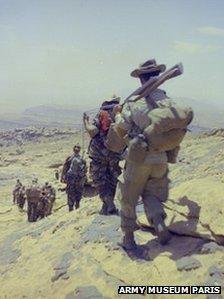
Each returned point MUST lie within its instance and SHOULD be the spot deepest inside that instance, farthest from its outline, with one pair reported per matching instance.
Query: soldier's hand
(117, 109)
(85, 117)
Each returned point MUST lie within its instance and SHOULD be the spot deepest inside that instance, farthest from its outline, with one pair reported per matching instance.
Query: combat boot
(162, 231)
(77, 205)
(128, 241)
(103, 210)
(111, 208)
(70, 208)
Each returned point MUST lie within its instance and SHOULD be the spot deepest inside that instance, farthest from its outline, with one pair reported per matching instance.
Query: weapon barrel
(155, 82)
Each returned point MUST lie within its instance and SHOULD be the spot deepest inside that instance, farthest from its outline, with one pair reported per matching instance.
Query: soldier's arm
(90, 128)
(14, 197)
(123, 122)
(172, 155)
(84, 166)
(53, 194)
(64, 170)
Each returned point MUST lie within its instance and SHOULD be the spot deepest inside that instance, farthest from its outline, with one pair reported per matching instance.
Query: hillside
(75, 255)
(207, 115)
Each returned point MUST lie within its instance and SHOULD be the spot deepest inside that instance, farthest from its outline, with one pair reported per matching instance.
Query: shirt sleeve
(123, 119)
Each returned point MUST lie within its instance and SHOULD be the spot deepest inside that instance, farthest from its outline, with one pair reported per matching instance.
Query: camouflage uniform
(75, 179)
(104, 165)
(104, 170)
(51, 196)
(45, 205)
(33, 195)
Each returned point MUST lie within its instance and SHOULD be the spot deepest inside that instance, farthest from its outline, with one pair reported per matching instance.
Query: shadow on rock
(180, 245)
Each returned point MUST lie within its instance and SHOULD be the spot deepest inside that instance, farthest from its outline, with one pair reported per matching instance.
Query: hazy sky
(80, 51)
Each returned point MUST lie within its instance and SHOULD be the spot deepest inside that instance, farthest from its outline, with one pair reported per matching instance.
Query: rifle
(154, 82)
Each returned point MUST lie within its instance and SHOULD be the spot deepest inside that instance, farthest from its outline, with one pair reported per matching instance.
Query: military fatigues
(21, 198)
(50, 195)
(147, 179)
(33, 195)
(75, 179)
(104, 170)
(16, 191)
(46, 202)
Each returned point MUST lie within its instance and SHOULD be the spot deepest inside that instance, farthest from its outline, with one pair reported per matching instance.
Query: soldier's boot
(77, 205)
(103, 210)
(20, 206)
(111, 208)
(31, 218)
(162, 231)
(35, 215)
(128, 241)
(28, 217)
(70, 208)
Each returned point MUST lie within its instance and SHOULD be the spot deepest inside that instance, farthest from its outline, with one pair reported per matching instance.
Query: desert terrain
(75, 255)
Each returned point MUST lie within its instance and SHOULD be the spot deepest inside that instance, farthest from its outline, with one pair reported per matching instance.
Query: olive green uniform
(148, 179)
(33, 195)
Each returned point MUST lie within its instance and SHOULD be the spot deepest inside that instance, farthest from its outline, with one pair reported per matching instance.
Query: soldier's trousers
(105, 174)
(148, 181)
(32, 211)
(49, 207)
(21, 202)
(74, 195)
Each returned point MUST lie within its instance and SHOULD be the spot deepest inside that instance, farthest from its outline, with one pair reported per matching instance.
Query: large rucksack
(168, 126)
(33, 193)
(66, 166)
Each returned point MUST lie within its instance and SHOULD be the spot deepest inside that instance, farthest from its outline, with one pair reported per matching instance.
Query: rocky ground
(75, 255)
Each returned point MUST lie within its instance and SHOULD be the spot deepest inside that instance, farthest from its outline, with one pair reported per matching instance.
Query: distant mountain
(207, 115)
(49, 116)
(56, 114)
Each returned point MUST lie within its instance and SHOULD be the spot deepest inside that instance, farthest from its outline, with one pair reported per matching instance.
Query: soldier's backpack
(66, 166)
(33, 193)
(168, 126)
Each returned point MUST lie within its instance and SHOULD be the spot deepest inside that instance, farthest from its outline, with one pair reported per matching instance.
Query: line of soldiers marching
(149, 128)
(40, 199)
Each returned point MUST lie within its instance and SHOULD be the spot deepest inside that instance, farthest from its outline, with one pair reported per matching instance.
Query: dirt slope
(75, 255)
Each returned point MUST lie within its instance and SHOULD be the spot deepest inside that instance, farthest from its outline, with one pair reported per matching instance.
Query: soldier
(74, 175)
(66, 166)
(146, 170)
(56, 174)
(21, 197)
(16, 189)
(49, 196)
(104, 165)
(33, 195)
